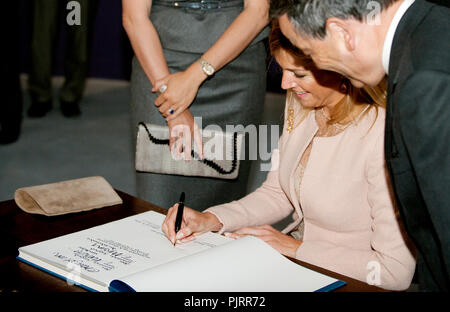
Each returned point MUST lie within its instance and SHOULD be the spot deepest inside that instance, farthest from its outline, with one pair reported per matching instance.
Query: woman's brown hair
(373, 96)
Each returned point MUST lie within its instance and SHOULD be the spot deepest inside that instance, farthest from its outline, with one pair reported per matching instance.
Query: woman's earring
(290, 119)
(344, 87)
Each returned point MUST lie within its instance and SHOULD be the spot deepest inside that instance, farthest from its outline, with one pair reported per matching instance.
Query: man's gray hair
(309, 17)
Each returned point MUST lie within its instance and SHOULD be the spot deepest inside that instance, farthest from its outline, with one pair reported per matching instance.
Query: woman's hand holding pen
(193, 223)
(284, 244)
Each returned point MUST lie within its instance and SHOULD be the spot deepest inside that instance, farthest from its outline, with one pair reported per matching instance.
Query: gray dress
(233, 96)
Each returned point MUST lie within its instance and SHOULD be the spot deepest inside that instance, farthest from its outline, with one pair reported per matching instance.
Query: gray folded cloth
(67, 196)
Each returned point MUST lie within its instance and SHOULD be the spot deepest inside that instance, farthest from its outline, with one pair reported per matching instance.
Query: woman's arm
(247, 25)
(266, 205)
(144, 38)
(148, 50)
(283, 243)
(240, 34)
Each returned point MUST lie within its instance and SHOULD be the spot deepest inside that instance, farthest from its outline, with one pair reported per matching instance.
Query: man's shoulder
(434, 28)
(430, 41)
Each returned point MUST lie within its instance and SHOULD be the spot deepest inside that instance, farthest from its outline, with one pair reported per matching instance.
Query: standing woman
(177, 45)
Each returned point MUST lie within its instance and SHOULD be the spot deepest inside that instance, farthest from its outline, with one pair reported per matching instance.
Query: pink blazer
(351, 224)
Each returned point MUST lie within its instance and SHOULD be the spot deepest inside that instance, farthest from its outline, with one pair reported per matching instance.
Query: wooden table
(18, 228)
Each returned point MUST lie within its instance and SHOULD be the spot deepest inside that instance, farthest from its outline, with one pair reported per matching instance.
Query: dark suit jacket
(418, 136)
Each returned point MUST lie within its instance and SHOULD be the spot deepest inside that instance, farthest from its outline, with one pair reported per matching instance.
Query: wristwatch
(207, 68)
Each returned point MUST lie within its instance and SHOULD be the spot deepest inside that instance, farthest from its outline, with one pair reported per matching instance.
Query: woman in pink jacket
(329, 173)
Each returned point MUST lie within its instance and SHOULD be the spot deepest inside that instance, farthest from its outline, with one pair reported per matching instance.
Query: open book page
(115, 250)
(246, 264)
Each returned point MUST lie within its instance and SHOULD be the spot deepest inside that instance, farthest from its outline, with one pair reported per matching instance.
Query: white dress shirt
(391, 32)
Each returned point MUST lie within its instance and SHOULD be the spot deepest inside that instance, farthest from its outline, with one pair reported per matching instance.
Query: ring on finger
(163, 88)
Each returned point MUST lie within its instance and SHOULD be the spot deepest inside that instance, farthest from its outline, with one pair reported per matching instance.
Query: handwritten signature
(79, 263)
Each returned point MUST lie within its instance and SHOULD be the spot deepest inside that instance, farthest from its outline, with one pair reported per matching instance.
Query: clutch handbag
(221, 152)
(67, 196)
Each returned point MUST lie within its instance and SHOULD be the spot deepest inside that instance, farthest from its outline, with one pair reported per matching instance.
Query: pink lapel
(293, 148)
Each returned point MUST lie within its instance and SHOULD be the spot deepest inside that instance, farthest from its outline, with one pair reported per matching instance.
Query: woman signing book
(329, 173)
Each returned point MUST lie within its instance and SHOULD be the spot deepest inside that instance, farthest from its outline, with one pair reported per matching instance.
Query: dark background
(111, 52)
(110, 49)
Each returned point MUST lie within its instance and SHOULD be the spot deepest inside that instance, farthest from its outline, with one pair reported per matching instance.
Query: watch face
(209, 70)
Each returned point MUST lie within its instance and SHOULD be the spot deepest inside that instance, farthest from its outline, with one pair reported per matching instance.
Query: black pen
(179, 217)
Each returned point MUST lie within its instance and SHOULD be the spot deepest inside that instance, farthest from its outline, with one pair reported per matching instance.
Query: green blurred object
(46, 20)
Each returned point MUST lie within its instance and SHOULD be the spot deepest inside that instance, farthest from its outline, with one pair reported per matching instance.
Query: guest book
(133, 254)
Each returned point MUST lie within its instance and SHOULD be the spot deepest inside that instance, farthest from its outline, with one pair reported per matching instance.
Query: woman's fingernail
(180, 235)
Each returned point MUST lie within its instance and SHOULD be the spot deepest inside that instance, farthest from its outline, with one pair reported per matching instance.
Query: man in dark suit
(410, 42)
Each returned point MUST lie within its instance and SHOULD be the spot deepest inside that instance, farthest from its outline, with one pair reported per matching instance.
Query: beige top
(325, 130)
(351, 225)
